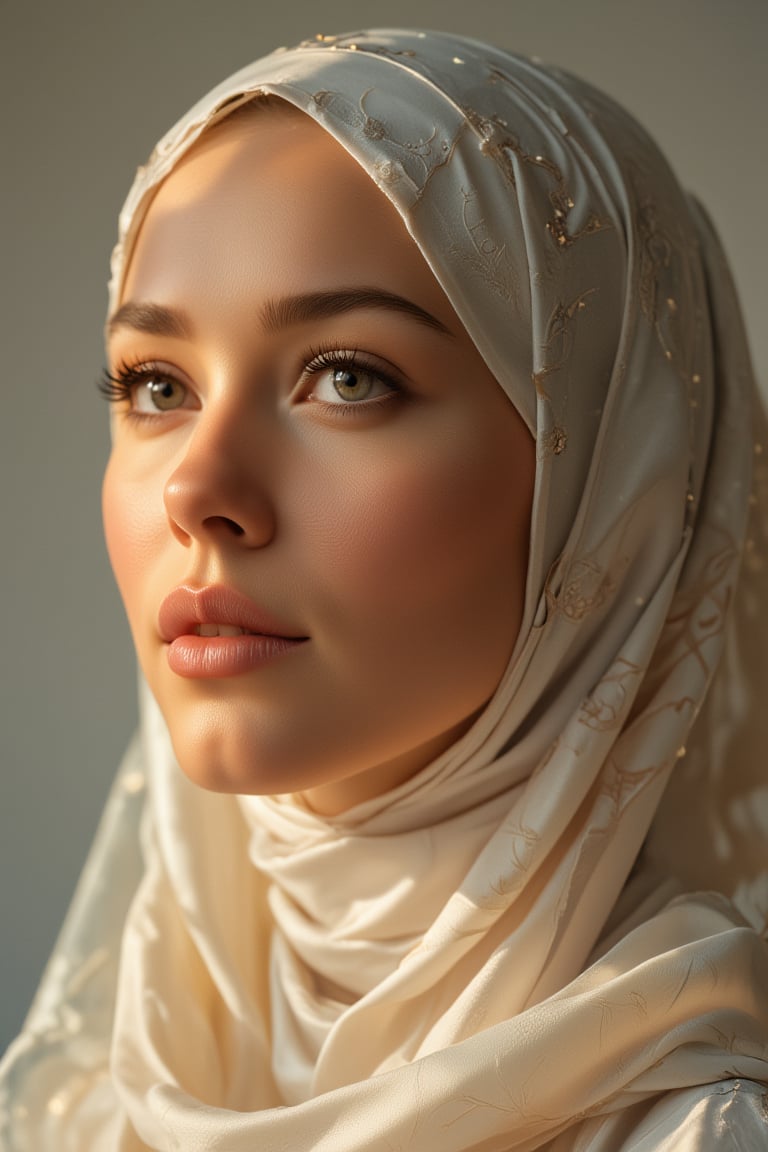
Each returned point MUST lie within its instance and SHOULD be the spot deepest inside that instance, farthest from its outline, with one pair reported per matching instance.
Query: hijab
(462, 962)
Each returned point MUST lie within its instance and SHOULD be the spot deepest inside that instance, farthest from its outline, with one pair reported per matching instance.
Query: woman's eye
(156, 394)
(348, 385)
(146, 390)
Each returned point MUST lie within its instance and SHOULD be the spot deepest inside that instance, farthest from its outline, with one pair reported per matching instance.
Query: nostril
(225, 522)
(216, 497)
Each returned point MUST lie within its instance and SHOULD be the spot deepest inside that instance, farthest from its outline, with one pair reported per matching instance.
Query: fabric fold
(444, 966)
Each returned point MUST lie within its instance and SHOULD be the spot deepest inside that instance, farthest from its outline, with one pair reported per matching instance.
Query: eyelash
(118, 387)
(330, 357)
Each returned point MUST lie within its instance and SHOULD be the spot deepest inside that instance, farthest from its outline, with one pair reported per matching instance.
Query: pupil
(351, 385)
(165, 394)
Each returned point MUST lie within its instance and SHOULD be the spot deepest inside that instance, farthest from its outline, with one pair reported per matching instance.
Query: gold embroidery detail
(490, 259)
(420, 159)
(558, 342)
(554, 442)
(374, 129)
(501, 145)
(609, 701)
(585, 589)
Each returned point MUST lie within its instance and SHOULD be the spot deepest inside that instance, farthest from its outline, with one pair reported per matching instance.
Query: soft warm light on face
(312, 429)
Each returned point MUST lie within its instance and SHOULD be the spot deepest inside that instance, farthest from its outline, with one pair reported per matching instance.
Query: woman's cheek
(405, 528)
(135, 528)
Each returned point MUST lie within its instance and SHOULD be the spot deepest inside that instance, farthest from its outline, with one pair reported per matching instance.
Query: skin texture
(390, 531)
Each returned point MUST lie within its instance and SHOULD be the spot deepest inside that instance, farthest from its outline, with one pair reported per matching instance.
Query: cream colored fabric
(447, 966)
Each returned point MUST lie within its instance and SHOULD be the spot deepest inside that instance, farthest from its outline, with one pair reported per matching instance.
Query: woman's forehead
(415, 142)
(288, 210)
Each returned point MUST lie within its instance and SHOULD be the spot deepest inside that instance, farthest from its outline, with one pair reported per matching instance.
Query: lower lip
(215, 657)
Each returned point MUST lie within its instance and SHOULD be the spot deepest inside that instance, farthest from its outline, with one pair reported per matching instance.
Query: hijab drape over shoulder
(462, 963)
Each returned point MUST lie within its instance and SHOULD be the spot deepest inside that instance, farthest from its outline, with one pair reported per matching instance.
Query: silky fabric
(465, 961)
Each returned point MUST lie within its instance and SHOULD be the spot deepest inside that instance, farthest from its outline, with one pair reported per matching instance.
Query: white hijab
(446, 966)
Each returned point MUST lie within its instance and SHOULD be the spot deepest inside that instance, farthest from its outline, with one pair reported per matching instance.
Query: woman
(427, 501)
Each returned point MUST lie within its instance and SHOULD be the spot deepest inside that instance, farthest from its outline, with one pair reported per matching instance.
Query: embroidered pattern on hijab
(447, 966)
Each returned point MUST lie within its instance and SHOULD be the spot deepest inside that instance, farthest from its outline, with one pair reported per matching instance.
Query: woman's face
(309, 448)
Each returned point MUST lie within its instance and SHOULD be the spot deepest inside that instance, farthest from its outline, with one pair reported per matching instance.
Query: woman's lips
(214, 632)
(214, 657)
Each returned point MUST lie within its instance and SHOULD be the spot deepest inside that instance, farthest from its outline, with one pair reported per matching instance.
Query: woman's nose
(219, 491)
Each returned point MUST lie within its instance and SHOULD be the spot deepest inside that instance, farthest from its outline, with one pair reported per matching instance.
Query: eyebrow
(288, 310)
(157, 320)
(154, 319)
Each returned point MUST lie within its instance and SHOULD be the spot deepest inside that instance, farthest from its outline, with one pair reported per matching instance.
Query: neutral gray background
(86, 87)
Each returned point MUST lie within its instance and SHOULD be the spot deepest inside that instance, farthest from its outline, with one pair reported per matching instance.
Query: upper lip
(184, 609)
